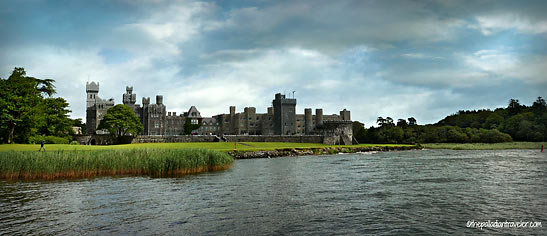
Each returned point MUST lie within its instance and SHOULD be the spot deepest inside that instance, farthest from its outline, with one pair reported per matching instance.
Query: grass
(485, 146)
(83, 164)
(221, 146)
(23, 161)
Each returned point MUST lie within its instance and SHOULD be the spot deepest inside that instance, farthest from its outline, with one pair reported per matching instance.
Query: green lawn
(485, 146)
(244, 146)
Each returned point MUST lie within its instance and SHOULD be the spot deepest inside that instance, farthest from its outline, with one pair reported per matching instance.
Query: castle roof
(193, 113)
(209, 121)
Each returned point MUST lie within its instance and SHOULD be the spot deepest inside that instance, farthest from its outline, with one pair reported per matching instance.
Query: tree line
(515, 122)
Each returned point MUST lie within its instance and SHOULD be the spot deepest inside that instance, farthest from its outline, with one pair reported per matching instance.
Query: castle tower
(92, 90)
(345, 115)
(129, 98)
(284, 115)
(318, 117)
(308, 123)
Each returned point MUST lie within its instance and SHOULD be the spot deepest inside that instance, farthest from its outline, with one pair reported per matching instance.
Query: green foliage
(515, 122)
(53, 119)
(48, 139)
(485, 146)
(79, 123)
(22, 99)
(189, 127)
(120, 121)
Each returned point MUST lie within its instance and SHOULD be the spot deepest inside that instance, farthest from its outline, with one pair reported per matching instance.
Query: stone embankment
(316, 151)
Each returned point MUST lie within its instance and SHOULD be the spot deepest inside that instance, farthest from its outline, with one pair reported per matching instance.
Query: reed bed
(85, 164)
(485, 146)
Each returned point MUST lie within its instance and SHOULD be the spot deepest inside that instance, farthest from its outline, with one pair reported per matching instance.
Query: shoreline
(288, 152)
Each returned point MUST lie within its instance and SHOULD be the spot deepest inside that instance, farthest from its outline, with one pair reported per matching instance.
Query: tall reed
(82, 164)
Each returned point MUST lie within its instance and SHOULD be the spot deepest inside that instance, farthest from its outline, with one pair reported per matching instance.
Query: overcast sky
(426, 59)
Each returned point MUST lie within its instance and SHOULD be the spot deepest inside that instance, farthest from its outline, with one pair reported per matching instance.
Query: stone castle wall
(228, 138)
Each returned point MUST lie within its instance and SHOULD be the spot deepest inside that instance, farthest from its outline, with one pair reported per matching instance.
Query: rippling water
(412, 192)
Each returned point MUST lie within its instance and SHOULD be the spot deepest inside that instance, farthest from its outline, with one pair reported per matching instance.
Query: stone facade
(280, 119)
(95, 107)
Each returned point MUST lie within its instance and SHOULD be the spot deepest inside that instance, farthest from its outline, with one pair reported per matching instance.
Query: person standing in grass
(42, 146)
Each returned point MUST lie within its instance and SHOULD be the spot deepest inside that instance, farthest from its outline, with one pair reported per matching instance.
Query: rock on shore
(315, 151)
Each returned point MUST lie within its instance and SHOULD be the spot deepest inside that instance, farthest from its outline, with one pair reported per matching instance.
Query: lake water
(411, 192)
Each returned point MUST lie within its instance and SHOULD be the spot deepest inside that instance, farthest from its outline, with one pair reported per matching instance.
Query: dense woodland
(516, 122)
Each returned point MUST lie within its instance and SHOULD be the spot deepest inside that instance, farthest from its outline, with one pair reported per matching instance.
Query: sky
(399, 59)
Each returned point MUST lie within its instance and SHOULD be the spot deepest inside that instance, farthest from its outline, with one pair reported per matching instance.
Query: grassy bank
(83, 164)
(485, 146)
(225, 147)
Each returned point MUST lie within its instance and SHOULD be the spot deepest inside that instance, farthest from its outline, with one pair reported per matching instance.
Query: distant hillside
(516, 122)
(523, 123)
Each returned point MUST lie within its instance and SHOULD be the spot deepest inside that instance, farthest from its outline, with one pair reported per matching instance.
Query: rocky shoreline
(316, 151)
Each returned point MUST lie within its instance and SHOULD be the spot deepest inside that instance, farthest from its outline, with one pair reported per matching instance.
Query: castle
(280, 119)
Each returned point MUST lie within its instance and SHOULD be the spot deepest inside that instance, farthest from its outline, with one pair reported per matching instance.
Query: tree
(402, 123)
(189, 127)
(359, 132)
(514, 106)
(120, 121)
(19, 96)
(79, 123)
(412, 121)
(53, 118)
(539, 106)
(493, 121)
(381, 121)
(389, 121)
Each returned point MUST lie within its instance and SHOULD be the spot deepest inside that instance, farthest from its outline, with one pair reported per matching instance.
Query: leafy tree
(402, 123)
(120, 121)
(79, 123)
(381, 121)
(359, 132)
(189, 127)
(19, 96)
(539, 106)
(53, 119)
(514, 106)
(412, 121)
(391, 134)
(389, 121)
(493, 121)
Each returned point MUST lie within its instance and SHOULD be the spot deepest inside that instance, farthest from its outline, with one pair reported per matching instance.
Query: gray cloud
(425, 59)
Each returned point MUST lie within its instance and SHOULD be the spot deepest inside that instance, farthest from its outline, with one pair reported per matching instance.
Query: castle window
(156, 125)
(194, 121)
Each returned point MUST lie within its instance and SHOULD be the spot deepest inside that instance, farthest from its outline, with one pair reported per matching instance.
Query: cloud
(420, 56)
(376, 58)
(490, 24)
(506, 65)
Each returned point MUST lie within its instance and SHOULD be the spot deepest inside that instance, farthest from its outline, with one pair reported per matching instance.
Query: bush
(494, 136)
(74, 142)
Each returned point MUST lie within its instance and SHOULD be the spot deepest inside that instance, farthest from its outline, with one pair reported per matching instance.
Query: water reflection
(412, 192)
